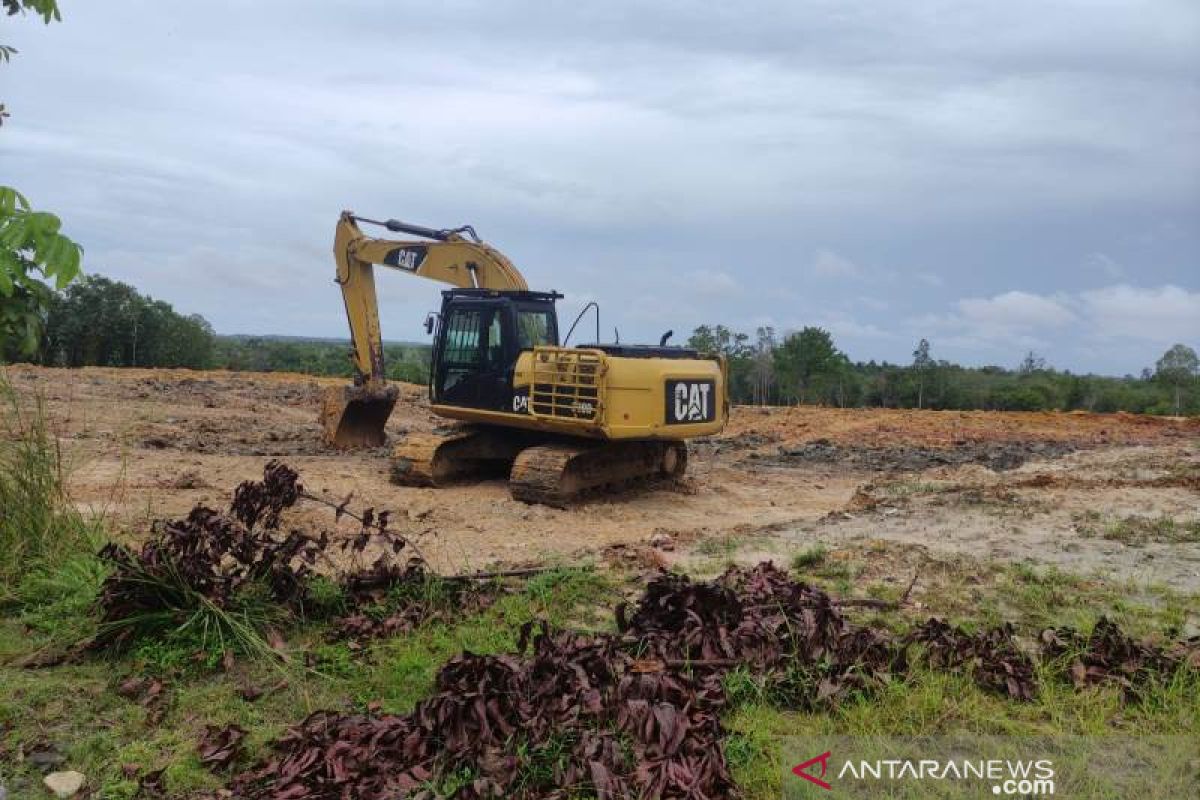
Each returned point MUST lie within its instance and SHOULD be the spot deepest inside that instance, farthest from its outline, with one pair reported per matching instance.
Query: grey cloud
(680, 163)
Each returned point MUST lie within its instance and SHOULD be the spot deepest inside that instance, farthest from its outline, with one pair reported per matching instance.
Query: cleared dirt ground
(1114, 494)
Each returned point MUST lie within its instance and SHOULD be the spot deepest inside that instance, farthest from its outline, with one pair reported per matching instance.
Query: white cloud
(1116, 326)
(828, 264)
(1167, 314)
(711, 283)
(841, 324)
(930, 279)
(1013, 312)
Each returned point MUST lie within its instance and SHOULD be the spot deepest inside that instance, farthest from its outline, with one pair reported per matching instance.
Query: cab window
(535, 328)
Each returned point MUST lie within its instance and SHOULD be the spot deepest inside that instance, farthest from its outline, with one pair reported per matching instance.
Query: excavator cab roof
(513, 294)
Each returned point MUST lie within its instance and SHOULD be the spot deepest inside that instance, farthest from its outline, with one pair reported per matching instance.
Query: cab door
(459, 356)
(499, 359)
(476, 354)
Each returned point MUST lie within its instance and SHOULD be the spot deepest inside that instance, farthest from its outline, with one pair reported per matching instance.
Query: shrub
(40, 529)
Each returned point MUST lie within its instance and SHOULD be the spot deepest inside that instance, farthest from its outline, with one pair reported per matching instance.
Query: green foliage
(1178, 369)
(324, 598)
(329, 357)
(57, 600)
(185, 619)
(734, 346)
(32, 251)
(100, 322)
(812, 557)
(39, 527)
(810, 366)
(46, 9)
(335, 659)
(807, 367)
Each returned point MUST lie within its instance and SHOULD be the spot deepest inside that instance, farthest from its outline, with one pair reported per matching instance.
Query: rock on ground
(64, 784)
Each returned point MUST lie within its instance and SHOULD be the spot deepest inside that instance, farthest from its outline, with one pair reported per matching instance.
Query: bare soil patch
(152, 443)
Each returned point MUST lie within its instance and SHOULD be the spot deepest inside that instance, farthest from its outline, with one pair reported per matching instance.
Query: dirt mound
(886, 427)
(997, 456)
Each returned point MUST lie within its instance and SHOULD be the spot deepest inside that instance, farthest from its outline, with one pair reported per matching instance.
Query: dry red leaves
(1107, 655)
(634, 714)
(991, 656)
(216, 555)
(219, 747)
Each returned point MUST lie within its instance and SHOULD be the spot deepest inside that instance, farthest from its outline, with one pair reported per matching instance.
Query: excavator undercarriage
(550, 470)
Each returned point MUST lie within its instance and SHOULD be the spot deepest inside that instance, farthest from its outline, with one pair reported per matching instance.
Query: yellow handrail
(568, 383)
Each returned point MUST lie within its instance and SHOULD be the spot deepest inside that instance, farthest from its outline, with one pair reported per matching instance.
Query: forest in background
(96, 321)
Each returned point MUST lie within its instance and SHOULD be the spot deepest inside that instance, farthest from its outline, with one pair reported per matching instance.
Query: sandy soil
(151, 443)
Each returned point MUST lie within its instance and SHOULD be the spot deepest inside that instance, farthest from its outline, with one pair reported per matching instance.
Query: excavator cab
(480, 334)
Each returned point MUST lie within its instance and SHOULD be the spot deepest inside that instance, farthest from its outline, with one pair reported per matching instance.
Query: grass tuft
(40, 529)
(812, 557)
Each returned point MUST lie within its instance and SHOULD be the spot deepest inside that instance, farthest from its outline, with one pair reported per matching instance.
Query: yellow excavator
(562, 421)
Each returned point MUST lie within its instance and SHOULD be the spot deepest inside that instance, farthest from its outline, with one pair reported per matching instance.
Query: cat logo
(690, 401)
(406, 258)
(520, 401)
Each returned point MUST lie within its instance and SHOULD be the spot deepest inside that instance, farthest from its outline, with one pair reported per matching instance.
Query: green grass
(1136, 530)
(908, 488)
(934, 703)
(811, 557)
(76, 706)
(40, 529)
(718, 546)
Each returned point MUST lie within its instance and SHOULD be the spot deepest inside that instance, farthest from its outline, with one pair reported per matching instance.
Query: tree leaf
(11, 200)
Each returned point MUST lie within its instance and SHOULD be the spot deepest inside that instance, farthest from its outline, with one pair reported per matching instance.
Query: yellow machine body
(629, 401)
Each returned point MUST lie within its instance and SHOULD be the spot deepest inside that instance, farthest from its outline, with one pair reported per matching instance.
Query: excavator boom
(355, 416)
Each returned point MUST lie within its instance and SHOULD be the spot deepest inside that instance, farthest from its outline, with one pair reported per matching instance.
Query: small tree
(32, 250)
(807, 358)
(738, 354)
(1031, 363)
(1177, 368)
(922, 364)
(763, 364)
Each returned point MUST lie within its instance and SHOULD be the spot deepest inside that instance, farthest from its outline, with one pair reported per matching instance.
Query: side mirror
(430, 322)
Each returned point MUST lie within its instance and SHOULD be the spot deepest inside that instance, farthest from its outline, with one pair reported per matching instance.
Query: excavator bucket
(355, 416)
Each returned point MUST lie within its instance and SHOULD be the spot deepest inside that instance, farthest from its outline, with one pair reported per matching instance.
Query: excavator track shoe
(557, 474)
(440, 458)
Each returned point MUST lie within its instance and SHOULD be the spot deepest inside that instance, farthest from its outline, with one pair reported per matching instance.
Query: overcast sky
(993, 176)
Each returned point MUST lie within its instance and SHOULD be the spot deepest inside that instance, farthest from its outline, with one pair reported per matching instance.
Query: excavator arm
(451, 257)
(356, 415)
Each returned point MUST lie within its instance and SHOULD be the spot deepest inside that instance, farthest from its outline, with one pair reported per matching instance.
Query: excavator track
(439, 458)
(557, 474)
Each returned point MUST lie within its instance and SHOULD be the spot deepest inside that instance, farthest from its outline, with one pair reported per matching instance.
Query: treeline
(99, 322)
(807, 367)
(96, 321)
(402, 362)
